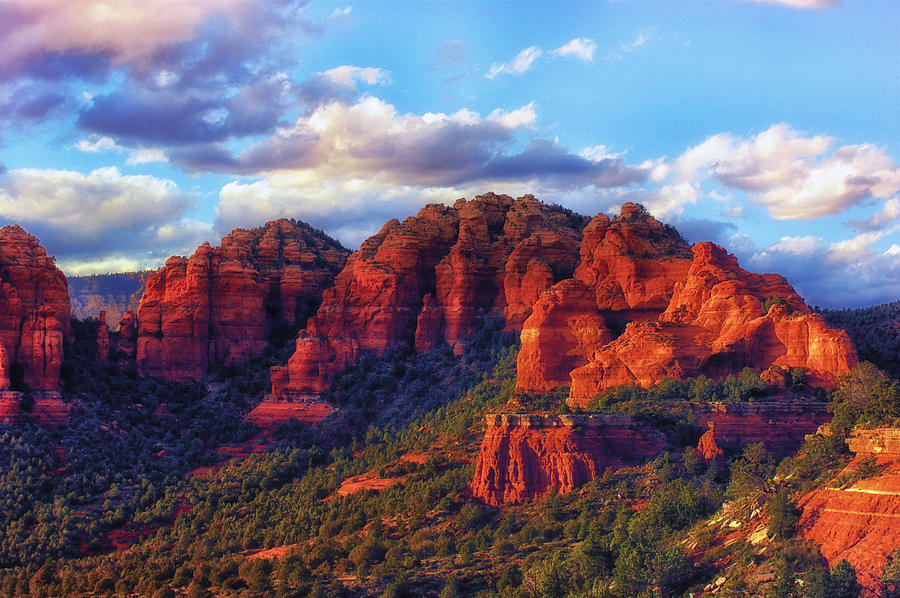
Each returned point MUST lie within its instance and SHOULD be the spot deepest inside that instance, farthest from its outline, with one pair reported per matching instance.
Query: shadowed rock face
(218, 306)
(780, 426)
(859, 522)
(34, 312)
(530, 456)
(431, 279)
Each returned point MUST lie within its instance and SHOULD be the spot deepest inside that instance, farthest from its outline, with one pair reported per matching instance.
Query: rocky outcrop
(564, 329)
(632, 262)
(34, 312)
(127, 329)
(719, 320)
(46, 407)
(102, 337)
(433, 278)
(781, 426)
(859, 521)
(529, 456)
(219, 306)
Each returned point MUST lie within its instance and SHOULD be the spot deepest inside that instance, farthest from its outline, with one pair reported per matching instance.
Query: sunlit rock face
(218, 306)
(529, 456)
(433, 278)
(859, 521)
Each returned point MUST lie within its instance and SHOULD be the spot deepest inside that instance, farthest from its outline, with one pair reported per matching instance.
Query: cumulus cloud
(95, 144)
(90, 217)
(371, 139)
(349, 75)
(795, 177)
(38, 34)
(580, 47)
(822, 272)
(518, 65)
(159, 73)
(890, 212)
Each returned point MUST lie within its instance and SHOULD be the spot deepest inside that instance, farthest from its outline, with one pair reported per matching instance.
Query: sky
(132, 130)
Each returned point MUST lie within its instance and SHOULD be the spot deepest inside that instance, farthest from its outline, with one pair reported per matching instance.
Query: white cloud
(518, 65)
(846, 273)
(733, 212)
(95, 144)
(521, 118)
(598, 153)
(793, 175)
(349, 75)
(802, 4)
(127, 30)
(91, 217)
(580, 47)
(890, 212)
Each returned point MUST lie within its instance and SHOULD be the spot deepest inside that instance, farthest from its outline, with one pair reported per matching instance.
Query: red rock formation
(127, 329)
(633, 262)
(102, 337)
(781, 426)
(859, 522)
(432, 278)
(268, 413)
(715, 324)
(561, 334)
(529, 456)
(47, 408)
(217, 307)
(708, 448)
(34, 311)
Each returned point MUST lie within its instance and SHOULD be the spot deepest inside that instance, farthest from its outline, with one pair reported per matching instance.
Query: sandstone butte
(34, 313)
(682, 317)
(530, 456)
(679, 311)
(219, 306)
(859, 521)
(432, 278)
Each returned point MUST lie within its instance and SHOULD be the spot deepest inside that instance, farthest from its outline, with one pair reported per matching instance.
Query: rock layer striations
(530, 456)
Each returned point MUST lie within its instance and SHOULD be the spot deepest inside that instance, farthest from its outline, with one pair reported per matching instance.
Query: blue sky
(134, 130)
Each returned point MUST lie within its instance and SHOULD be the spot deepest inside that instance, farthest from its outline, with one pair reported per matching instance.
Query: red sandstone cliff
(431, 279)
(34, 312)
(859, 522)
(715, 324)
(217, 307)
(632, 262)
(561, 334)
(529, 456)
